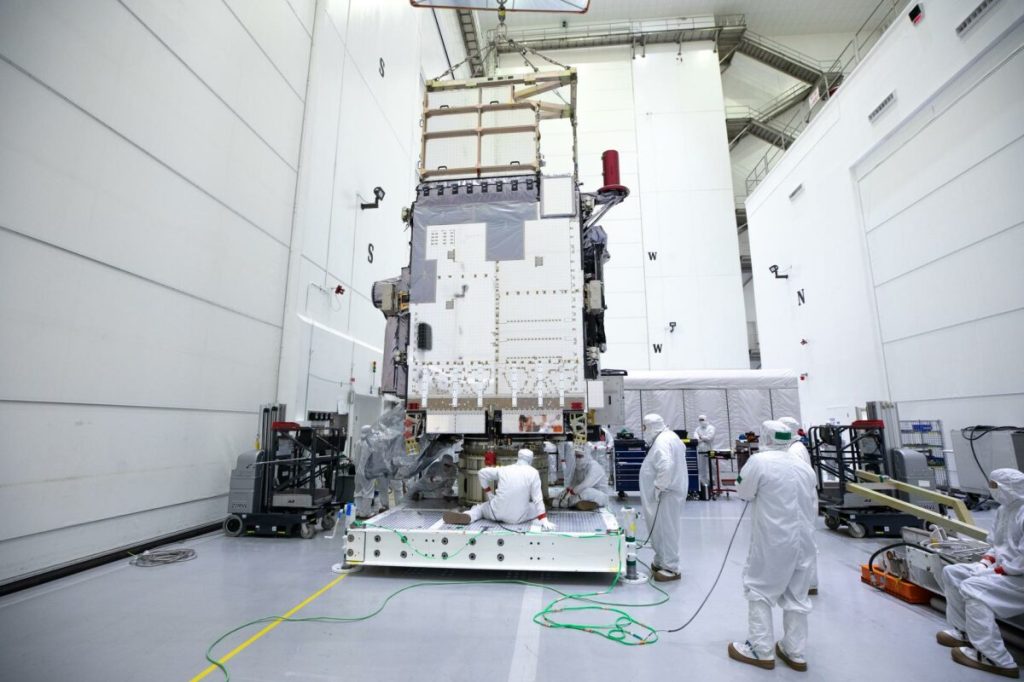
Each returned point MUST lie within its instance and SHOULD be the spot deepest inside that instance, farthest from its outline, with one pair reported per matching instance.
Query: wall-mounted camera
(378, 195)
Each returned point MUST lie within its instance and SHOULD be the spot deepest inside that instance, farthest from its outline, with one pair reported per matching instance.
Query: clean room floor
(120, 622)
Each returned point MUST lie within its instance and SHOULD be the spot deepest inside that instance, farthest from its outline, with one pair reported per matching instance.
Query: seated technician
(977, 593)
(513, 495)
(437, 481)
(588, 488)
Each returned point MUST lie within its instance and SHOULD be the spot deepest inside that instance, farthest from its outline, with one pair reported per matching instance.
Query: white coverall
(600, 452)
(437, 481)
(663, 483)
(518, 497)
(977, 593)
(799, 450)
(363, 487)
(778, 569)
(705, 435)
(551, 450)
(589, 482)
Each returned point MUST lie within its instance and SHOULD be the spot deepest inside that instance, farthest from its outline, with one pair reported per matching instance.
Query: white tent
(734, 400)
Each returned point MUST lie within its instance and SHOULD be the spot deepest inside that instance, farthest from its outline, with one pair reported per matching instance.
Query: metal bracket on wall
(378, 195)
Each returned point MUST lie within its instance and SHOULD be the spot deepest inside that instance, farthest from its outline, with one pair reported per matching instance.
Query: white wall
(666, 118)
(689, 219)
(361, 133)
(750, 83)
(944, 217)
(901, 235)
(169, 186)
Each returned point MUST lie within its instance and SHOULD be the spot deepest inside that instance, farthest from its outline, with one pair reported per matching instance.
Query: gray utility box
(994, 449)
(612, 411)
(911, 466)
(242, 494)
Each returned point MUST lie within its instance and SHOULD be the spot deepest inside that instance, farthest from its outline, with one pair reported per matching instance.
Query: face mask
(1000, 495)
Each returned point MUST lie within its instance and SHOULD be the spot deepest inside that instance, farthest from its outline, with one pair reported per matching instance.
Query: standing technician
(798, 449)
(705, 435)
(662, 492)
(778, 571)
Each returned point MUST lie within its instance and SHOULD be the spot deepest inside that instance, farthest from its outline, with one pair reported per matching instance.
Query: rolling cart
(836, 453)
(296, 480)
(717, 487)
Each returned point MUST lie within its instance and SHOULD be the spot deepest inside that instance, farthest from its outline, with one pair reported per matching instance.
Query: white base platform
(584, 542)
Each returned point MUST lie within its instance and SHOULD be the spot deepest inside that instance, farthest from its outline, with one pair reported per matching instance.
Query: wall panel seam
(161, 408)
(990, 316)
(380, 107)
(976, 396)
(137, 146)
(206, 85)
(948, 254)
(116, 268)
(944, 184)
(162, 507)
(298, 19)
(260, 48)
(936, 116)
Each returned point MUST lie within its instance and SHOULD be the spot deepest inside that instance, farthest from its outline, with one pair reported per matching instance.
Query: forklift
(295, 480)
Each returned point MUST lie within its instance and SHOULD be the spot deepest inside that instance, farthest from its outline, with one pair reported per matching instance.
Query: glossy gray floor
(124, 623)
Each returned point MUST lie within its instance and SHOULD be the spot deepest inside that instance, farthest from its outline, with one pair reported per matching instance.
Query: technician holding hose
(784, 500)
(662, 491)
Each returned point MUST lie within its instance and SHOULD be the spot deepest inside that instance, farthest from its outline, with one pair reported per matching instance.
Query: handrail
(849, 58)
(774, 107)
(742, 111)
(790, 53)
(784, 100)
(618, 28)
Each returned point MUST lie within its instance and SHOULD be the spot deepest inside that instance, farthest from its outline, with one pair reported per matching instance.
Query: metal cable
(163, 557)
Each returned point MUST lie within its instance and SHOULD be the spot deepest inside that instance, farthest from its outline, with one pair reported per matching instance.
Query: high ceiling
(767, 17)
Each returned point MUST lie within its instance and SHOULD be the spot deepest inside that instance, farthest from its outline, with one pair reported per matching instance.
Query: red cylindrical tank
(610, 161)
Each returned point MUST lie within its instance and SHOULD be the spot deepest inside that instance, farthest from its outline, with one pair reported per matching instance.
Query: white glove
(980, 567)
(489, 495)
(546, 525)
(657, 494)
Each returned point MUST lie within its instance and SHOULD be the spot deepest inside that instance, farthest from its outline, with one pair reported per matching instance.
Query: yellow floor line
(241, 647)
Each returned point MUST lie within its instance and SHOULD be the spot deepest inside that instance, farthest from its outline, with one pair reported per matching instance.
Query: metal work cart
(837, 452)
(717, 486)
(297, 479)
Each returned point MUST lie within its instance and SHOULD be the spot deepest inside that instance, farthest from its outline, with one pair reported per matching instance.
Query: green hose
(623, 629)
